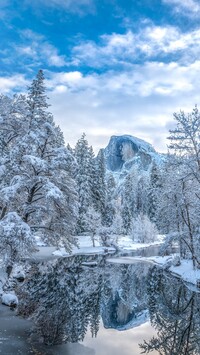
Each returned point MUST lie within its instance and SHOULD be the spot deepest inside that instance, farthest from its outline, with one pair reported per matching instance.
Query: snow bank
(84, 250)
(184, 270)
(126, 243)
(9, 299)
(85, 247)
(128, 260)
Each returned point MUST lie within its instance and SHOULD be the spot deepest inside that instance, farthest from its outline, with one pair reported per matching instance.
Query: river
(89, 306)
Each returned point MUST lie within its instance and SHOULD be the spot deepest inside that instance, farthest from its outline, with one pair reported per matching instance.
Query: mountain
(123, 152)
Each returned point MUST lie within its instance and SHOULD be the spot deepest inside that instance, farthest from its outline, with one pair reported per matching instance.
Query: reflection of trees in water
(62, 300)
(174, 313)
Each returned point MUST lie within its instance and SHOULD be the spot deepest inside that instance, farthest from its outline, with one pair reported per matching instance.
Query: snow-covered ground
(9, 299)
(184, 270)
(85, 247)
(85, 250)
(125, 243)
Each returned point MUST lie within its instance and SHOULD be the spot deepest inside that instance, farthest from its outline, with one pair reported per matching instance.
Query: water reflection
(66, 297)
(63, 300)
(124, 297)
(175, 314)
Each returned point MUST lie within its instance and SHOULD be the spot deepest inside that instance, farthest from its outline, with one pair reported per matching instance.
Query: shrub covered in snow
(106, 237)
(17, 240)
(143, 230)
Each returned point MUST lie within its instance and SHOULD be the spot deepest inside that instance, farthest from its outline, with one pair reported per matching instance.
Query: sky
(112, 67)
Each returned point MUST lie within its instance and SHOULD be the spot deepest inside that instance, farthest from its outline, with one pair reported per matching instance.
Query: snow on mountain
(125, 152)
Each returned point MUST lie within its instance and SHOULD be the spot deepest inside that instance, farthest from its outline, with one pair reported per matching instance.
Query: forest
(55, 192)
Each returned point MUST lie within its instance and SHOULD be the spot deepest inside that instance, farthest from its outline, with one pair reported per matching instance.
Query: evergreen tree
(94, 222)
(100, 185)
(155, 185)
(83, 179)
(110, 203)
(37, 185)
(142, 194)
(126, 210)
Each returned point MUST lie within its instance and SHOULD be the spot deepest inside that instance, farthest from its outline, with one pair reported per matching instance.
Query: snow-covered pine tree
(92, 172)
(127, 202)
(83, 179)
(51, 183)
(134, 199)
(110, 208)
(155, 186)
(99, 185)
(13, 122)
(142, 194)
(39, 187)
(94, 222)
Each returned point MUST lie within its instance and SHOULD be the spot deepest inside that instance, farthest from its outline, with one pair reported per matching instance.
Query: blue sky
(111, 66)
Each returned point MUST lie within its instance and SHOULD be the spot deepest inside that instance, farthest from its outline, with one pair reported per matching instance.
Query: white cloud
(73, 81)
(27, 51)
(138, 101)
(150, 41)
(37, 48)
(68, 77)
(51, 54)
(14, 82)
(74, 6)
(30, 35)
(186, 7)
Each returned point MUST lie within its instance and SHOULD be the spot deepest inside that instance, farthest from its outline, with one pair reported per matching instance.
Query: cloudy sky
(112, 66)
